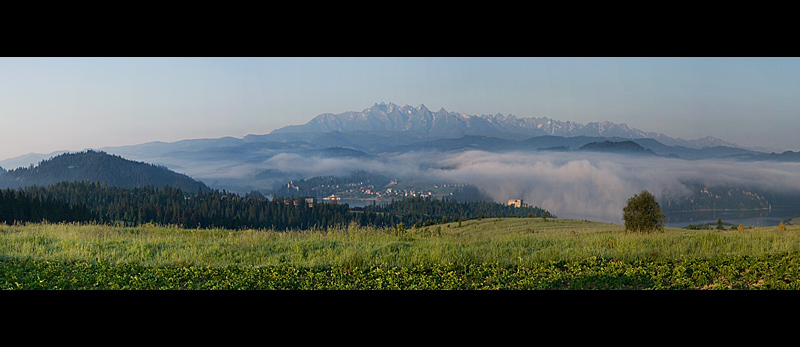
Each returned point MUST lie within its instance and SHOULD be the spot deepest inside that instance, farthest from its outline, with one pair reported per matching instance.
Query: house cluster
(391, 192)
(365, 190)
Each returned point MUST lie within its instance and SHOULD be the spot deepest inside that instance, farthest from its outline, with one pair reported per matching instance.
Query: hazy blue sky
(50, 104)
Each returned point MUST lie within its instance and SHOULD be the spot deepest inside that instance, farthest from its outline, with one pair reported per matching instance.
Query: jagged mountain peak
(388, 108)
(385, 116)
(379, 107)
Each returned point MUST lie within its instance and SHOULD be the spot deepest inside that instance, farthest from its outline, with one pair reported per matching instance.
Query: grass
(503, 242)
(512, 253)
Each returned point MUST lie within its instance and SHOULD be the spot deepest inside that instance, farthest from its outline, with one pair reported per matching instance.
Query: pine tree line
(419, 211)
(19, 206)
(103, 203)
(203, 209)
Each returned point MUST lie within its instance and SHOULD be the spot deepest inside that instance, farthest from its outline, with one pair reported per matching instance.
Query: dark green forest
(103, 203)
(203, 209)
(97, 187)
(18, 206)
(418, 211)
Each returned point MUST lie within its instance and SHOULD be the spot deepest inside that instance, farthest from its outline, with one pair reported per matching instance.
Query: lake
(748, 218)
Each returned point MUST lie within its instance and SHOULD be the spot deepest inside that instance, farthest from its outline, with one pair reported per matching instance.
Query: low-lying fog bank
(579, 185)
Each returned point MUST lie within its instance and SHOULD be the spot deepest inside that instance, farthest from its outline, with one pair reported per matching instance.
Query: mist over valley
(573, 170)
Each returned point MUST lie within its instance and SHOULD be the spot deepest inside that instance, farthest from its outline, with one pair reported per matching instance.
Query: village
(370, 192)
(366, 190)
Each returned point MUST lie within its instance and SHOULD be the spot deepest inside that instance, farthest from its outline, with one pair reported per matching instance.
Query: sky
(50, 104)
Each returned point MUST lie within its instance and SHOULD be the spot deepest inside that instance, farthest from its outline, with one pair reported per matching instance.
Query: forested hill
(94, 166)
(627, 147)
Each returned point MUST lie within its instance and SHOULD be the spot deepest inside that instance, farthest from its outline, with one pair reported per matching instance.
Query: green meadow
(491, 253)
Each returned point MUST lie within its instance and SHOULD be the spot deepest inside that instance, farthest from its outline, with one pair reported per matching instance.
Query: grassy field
(509, 253)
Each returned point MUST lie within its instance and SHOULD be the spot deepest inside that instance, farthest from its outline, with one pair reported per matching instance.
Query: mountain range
(420, 149)
(420, 120)
(384, 130)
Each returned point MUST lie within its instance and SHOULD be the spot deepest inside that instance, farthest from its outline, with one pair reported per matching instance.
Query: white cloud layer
(570, 185)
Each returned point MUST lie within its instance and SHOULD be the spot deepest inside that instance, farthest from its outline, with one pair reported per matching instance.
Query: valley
(269, 175)
(365, 209)
(389, 152)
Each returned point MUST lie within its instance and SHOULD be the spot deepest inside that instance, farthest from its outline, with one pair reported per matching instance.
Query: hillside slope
(98, 167)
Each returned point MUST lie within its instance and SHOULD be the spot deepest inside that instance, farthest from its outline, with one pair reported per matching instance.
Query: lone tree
(642, 213)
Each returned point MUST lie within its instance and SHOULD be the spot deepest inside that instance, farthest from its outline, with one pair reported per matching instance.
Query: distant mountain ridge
(383, 131)
(420, 120)
(628, 147)
(95, 166)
